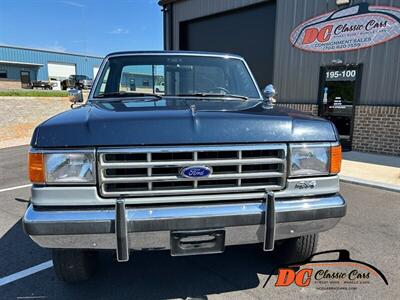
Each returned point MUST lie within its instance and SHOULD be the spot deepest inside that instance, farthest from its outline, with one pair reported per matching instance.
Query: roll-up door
(95, 70)
(249, 32)
(61, 71)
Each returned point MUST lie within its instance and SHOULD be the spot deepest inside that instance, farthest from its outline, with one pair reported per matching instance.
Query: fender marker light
(36, 167)
(336, 159)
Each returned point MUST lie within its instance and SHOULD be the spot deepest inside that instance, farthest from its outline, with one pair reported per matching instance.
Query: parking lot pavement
(13, 166)
(370, 231)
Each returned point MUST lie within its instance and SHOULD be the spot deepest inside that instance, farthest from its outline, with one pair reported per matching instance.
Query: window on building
(146, 82)
(3, 74)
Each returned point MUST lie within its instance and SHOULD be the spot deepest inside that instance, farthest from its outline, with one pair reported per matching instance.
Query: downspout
(168, 26)
(171, 26)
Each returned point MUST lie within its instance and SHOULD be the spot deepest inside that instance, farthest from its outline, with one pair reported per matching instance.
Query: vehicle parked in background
(77, 81)
(203, 162)
(55, 84)
(159, 88)
(40, 84)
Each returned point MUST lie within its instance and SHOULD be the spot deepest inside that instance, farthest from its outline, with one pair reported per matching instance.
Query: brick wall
(307, 108)
(377, 129)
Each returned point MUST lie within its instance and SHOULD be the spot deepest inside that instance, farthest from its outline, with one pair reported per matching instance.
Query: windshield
(175, 75)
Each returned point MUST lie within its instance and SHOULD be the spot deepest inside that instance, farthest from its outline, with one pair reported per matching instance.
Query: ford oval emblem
(196, 171)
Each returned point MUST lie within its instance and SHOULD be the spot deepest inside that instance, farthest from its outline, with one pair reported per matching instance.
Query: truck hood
(173, 121)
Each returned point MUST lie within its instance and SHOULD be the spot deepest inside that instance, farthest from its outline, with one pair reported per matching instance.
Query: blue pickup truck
(206, 162)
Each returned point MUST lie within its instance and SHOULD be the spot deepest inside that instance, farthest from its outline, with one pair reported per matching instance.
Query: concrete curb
(370, 183)
(15, 143)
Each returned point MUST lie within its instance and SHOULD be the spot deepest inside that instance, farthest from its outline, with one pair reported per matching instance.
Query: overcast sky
(85, 26)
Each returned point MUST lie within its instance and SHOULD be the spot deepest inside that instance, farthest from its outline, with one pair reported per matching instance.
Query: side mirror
(75, 96)
(269, 91)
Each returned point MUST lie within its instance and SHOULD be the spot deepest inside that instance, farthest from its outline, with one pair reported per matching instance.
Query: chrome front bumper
(150, 227)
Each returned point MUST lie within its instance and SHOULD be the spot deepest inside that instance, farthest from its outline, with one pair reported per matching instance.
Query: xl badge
(196, 172)
(306, 184)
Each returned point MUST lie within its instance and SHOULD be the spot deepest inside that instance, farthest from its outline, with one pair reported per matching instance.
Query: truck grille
(155, 171)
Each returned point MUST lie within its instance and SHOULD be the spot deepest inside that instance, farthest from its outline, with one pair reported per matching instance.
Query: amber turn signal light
(336, 159)
(36, 167)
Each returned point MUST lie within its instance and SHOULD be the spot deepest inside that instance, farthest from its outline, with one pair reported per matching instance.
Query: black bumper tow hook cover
(270, 221)
(121, 231)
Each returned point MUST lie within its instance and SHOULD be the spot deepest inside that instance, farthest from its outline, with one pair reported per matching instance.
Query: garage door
(95, 70)
(249, 32)
(61, 71)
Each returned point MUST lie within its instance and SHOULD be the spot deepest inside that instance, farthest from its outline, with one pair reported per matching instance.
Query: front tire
(73, 265)
(296, 249)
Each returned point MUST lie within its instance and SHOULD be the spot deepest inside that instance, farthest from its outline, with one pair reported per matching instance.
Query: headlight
(62, 168)
(314, 159)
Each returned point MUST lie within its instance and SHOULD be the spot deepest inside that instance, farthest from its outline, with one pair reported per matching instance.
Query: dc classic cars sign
(355, 27)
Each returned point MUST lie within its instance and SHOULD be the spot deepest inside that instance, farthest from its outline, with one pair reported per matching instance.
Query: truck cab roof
(174, 52)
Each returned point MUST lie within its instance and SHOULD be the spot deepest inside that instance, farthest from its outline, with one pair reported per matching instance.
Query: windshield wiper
(126, 94)
(206, 95)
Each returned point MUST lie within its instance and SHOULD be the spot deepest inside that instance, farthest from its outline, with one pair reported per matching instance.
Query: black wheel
(296, 249)
(74, 265)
